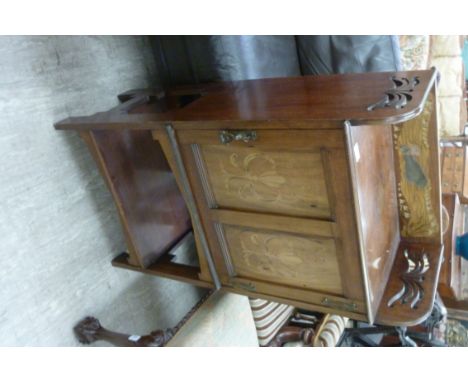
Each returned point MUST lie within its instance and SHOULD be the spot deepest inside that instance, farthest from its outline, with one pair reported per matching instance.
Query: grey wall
(58, 225)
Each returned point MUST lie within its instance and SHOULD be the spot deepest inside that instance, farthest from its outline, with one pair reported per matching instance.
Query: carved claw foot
(156, 338)
(90, 330)
(86, 331)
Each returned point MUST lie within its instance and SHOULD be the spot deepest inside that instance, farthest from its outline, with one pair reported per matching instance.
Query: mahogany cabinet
(322, 191)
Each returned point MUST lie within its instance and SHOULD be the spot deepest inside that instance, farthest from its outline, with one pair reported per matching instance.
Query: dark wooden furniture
(321, 192)
(454, 266)
(454, 164)
(90, 330)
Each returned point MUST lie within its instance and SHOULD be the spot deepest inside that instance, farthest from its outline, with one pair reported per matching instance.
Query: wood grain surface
(284, 182)
(412, 293)
(372, 158)
(328, 98)
(284, 258)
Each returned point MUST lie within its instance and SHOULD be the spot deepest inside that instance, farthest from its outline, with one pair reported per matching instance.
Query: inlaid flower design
(254, 177)
(268, 254)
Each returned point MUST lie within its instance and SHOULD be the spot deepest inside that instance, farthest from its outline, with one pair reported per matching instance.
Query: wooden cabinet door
(293, 252)
(270, 208)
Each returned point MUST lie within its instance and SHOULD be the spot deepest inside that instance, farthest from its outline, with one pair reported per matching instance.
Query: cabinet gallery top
(388, 97)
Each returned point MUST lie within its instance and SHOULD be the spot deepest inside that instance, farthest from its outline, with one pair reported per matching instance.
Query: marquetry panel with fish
(288, 259)
(417, 174)
(251, 178)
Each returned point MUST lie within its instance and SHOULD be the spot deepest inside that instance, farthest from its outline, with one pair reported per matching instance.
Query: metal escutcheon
(227, 136)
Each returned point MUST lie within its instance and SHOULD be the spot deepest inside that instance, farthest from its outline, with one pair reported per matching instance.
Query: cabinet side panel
(347, 242)
(145, 191)
(372, 158)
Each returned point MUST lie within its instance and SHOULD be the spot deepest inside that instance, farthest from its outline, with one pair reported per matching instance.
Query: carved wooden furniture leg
(90, 330)
(404, 339)
(300, 327)
(293, 334)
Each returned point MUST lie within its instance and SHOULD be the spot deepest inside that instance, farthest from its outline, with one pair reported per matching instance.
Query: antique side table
(322, 192)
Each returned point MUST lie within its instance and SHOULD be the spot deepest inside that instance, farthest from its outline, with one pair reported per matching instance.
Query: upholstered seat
(227, 319)
(224, 319)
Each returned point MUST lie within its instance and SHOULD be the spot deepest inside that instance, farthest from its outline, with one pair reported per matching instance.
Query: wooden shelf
(180, 263)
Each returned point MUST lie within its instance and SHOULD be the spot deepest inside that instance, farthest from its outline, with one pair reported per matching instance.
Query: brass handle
(227, 136)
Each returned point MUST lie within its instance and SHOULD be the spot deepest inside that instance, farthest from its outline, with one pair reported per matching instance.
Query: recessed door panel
(283, 258)
(250, 178)
(270, 209)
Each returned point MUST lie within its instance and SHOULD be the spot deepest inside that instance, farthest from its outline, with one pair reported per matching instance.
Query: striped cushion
(330, 330)
(269, 317)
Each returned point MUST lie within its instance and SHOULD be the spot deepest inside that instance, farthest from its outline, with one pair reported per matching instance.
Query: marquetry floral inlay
(284, 258)
(254, 177)
(273, 180)
(278, 255)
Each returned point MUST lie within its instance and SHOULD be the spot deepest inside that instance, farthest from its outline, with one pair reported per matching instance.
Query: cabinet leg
(404, 339)
(292, 334)
(90, 330)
